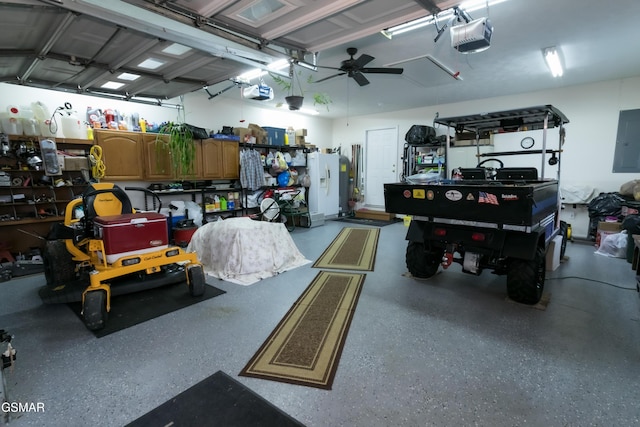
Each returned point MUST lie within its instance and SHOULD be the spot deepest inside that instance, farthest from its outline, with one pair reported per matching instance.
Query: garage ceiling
(82, 45)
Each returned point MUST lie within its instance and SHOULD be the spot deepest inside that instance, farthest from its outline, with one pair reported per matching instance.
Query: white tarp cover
(243, 251)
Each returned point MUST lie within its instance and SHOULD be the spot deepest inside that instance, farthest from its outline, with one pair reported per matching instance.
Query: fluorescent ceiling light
(252, 74)
(176, 49)
(128, 76)
(307, 65)
(468, 6)
(151, 63)
(280, 64)
(553, 61)
(112, 85)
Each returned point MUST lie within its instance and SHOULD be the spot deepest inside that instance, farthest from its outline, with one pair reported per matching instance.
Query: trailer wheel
(421, 263)
(59, 267)
(196, 280)
(525, 278)
(94, 310)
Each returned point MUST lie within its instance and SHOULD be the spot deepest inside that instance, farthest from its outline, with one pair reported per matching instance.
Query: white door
(381, 164)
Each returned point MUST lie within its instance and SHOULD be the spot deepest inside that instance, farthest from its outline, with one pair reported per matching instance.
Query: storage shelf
(227, 210)
(73, 141)
(14, 222)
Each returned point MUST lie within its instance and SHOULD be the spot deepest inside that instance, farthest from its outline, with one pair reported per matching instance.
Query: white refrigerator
(324, 171)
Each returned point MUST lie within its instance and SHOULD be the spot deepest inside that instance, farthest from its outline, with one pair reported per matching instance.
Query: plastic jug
(10, 119)
(40, 111)
(72, 127)
(43, 118)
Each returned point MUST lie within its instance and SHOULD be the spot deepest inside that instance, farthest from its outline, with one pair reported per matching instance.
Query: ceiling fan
(356, 69)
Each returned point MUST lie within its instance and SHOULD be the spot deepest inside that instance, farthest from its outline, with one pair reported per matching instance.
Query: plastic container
(50, 157)
(43, 119)
(45, 128)
(30, 127)
(72, 127)
(11, 124)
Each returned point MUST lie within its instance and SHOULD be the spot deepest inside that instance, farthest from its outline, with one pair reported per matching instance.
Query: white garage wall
(587, 159)
(590, 143)
(199, 110)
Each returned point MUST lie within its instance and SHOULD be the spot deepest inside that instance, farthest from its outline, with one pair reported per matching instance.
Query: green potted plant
(295, 101)
(179, 146)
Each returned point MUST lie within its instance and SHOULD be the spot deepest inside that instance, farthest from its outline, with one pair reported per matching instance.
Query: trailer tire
(420, 263)
(58, 263)
(525, 278)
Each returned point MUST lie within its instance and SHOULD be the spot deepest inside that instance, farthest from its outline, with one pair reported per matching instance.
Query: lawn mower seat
(102, 199)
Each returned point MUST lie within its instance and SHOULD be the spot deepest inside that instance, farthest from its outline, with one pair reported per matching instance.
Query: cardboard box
(606, 228)
(553, 253)
(242, 132)
(301, 132)
(76, 163)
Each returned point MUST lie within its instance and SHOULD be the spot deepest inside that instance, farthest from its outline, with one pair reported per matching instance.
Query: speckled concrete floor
(448, 351)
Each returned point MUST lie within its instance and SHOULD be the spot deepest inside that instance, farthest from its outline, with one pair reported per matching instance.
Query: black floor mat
(217, 401)
(132, 309)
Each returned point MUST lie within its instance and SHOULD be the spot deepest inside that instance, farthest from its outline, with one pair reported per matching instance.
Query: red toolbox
(130, 234)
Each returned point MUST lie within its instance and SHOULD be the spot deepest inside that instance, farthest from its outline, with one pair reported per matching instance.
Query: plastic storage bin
(275, 136)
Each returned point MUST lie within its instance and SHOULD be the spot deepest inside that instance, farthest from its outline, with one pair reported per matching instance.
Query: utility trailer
(501, 219)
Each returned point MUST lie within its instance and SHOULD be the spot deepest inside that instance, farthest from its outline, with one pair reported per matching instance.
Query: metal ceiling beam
(102, 66)
(430, 6)
(139, 19)
(57, 33)
(132, 53)
(220, 29)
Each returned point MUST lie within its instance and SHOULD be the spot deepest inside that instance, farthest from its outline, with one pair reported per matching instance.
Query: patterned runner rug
(306, 345)
(352, 249)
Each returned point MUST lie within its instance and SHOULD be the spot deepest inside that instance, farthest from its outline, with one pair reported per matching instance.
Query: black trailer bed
(521, 203)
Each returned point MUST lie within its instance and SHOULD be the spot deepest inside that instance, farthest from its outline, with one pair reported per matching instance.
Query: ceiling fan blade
(363, 60)
(327, 68)
(383, 70)
(330, 77)
(360, 79)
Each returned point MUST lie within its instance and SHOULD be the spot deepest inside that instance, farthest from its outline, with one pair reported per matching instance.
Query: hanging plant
(179, 146)
(293, 100)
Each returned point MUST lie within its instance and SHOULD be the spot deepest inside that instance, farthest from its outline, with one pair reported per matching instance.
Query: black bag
(196, 132)
(421, 135)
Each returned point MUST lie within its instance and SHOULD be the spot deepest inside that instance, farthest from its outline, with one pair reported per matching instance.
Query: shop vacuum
(183, 231)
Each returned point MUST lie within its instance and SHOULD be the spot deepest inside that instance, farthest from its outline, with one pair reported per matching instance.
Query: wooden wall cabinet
(122, 154)
(132, 156)
(157, 159)
(219, 159)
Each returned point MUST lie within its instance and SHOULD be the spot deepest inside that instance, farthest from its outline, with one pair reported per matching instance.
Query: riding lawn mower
(105, 248)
